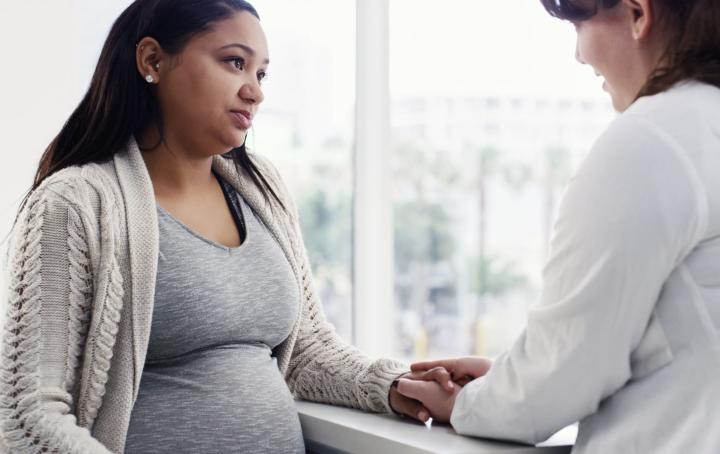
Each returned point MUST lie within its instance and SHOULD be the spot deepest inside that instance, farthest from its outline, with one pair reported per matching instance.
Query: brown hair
(692, 33)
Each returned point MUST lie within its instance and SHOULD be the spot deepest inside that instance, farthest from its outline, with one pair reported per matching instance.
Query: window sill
(330, 429)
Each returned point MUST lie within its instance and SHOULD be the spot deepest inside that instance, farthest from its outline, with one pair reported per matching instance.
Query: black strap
(231, 197)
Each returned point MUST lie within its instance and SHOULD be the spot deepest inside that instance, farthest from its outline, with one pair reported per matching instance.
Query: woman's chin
(237, 139)
(618, 102)
(620, 105)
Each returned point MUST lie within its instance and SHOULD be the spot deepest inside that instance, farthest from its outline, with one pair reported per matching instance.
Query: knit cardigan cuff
(384, 372)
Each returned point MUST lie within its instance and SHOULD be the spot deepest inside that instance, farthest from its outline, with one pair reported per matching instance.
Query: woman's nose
(252, 93)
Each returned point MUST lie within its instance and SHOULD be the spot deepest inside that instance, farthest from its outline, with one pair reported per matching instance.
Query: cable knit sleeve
(323, 368)
(50, 287)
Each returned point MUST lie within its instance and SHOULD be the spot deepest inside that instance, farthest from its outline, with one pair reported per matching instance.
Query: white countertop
(332, 429)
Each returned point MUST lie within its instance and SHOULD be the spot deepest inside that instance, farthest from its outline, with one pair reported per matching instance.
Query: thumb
(415, 389)
(472, 367)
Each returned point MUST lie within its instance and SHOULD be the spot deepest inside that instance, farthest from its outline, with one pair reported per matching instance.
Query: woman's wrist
(393, 389)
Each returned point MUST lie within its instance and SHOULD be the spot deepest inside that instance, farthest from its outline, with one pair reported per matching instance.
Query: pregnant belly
(224, 399)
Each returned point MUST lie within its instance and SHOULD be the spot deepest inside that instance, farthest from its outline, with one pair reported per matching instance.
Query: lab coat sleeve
(633, 211)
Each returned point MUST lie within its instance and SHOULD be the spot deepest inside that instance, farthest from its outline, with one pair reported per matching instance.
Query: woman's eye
(237, 62)
(261, 75)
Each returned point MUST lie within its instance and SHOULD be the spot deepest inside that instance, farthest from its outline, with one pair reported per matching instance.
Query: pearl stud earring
(149, 78)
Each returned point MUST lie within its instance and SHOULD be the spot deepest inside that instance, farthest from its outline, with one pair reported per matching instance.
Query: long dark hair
(119, 104)
(692, 34)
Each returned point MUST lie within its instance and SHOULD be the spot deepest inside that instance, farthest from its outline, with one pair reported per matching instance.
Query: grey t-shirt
(210, 383)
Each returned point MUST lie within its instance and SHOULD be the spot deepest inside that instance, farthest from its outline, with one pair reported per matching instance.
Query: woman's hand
(411, 407)
(462, 370)
(431, 395)
(433, 385)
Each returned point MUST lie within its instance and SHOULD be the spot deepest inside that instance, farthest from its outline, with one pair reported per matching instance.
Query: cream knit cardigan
(82, 264)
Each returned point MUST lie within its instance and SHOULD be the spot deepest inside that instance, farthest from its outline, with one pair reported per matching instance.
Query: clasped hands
(430, 389)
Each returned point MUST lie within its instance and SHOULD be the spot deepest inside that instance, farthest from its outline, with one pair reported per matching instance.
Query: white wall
(48, 53)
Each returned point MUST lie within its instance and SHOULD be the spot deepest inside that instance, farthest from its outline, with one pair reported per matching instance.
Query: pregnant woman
(160, 296)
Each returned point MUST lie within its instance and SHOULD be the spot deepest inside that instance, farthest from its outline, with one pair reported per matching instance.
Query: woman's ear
(642, 16)
(148, 55)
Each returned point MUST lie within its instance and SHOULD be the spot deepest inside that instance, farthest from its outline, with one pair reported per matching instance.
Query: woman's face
(608, 43)
(210, 92)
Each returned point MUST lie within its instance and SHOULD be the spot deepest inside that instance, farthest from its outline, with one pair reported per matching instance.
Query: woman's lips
(241, 118)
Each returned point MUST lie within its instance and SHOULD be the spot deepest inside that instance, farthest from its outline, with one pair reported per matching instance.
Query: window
(475, 190)
(465, 126)
(306, 127)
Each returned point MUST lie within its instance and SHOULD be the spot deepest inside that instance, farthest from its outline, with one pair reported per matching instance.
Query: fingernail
(422, 416)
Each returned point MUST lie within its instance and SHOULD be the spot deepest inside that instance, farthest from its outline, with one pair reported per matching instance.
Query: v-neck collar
(143, 236)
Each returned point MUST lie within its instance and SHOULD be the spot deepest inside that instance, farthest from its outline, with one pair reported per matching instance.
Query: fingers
(431, 395)
(409, 407)
(440, 371)
(472, 366)
(464, 380)
(416, 389)
(413, 409)
(441, 376)
(448, 364)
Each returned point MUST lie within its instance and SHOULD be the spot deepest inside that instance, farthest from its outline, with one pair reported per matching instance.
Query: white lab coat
(625, 336)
